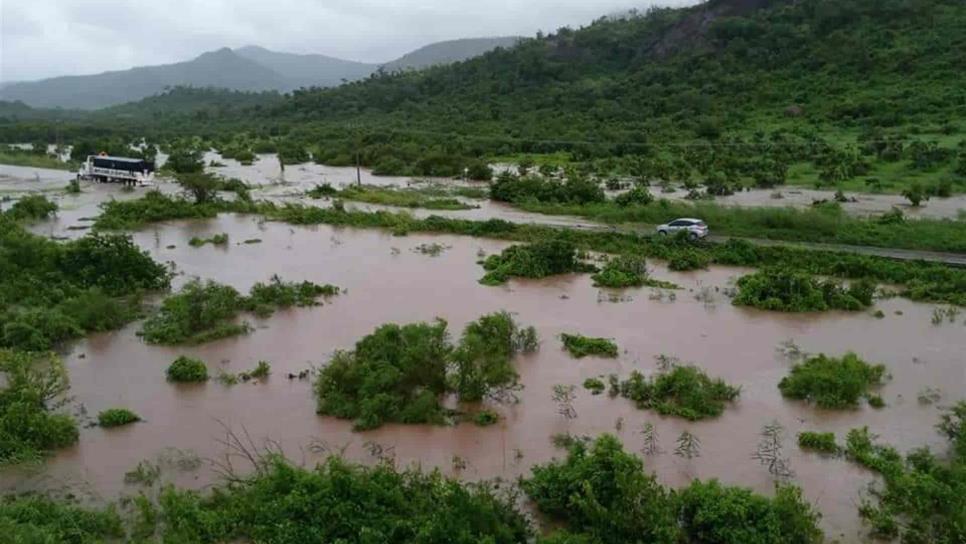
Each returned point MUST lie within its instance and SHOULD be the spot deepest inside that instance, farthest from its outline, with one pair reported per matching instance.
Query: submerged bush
(398, 373)
(823, 442)
(923, 498)
(31, 208)
(830, 382)
(216, 240)
(627, 271)
(537, 260)
(115, 417)
(791, 291)
(582, 346)
(187, 370)
(684, 391)
(602, 494)
(202, 312)
(29, 388)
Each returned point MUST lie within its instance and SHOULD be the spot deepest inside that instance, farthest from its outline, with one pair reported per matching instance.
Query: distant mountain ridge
(249, 68)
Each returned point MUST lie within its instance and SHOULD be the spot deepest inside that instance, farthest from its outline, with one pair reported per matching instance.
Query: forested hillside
(867, 91)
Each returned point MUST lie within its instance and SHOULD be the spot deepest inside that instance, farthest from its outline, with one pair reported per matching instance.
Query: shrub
(823, 442)
(341, 502)
(594, 385)
(115, 417)
(638, 196)
(537, 260)
(202, 312)
(791, 291)
(830, 382)
(627, 271)
(684, 391)
(923, 497)
(713, 513)
(216, 240)
(31, 208)
(688, 258)
(28, 425)
(602, 494)
(30, 519)
(187, 370)
(582, 346)
(509, 187)
(398, 373)
(485, 418)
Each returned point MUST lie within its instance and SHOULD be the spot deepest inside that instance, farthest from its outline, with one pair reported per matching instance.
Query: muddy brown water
(387, 281)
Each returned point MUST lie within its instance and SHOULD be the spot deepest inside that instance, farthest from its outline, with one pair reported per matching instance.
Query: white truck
(104, 168)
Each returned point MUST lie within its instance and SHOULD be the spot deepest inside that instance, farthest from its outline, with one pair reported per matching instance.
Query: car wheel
(692, 236)
(662, 232)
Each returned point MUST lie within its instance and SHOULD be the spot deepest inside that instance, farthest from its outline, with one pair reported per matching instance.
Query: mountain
(249, 68)
(448, 52)
(221, 68)
(301, 70)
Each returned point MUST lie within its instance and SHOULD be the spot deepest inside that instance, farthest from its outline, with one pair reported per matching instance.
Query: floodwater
(387, 281)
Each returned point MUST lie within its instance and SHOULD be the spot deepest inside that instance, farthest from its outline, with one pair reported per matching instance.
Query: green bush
(594, 385)
(627, 271)
(341, 502)
(509, 187)
(582, 346)
(792, 291)
(31, 208)
(924, 496)
(216, 240)
(712, 513)
(28, 426)
(398, 373)
(602, 494)
(688, 258)
(202, 312)
(115, 417)
(485, 418)
(537, 260)
(823, 442)
(684, 391)
(33, 519)
(187, 370)
(830, 382)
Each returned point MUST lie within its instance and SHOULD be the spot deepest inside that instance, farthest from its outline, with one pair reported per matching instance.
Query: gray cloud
(45, 38)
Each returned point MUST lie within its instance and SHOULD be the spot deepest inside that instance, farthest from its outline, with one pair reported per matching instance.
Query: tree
(202, 187)
(915, 194)
(185, 160)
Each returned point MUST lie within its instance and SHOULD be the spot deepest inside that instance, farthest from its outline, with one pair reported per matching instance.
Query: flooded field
(387, 281)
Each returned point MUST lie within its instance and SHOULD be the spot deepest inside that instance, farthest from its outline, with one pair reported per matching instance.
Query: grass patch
(786, 290)
(582, 346)
(403, 198)
(187, 370)
(485, 418)
(30, 519)
(202, 312)
(399, 373)
(594, 385)
(823, 442)
(115, 417)
(35, 160)
(832, 383)
(683, 391)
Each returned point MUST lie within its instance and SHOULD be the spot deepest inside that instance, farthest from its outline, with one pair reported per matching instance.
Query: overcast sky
(44, 38)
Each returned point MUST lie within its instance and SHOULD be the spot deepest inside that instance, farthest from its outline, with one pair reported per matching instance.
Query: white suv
(695, 228)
